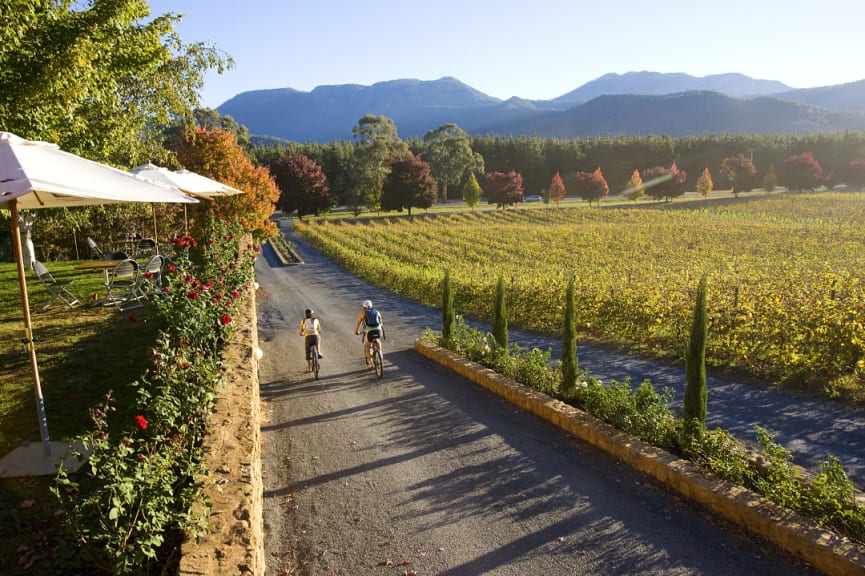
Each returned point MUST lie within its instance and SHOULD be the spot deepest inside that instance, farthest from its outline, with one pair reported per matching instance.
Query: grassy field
(82, 354)
(787, 293)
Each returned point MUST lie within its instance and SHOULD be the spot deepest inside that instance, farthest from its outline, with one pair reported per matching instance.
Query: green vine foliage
(141, 489)
(828, 498)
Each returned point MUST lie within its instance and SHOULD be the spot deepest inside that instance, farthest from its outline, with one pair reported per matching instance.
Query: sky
(534, 49)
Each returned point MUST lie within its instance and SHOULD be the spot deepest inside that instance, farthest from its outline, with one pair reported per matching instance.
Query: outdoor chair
(57, 290)
(95, 252)
(144, 247)
(151, 279)
(124, 288)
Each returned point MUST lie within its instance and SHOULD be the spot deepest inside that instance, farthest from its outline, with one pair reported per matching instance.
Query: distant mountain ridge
(632, 103)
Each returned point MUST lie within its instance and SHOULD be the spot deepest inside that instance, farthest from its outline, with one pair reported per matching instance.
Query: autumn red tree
(503, 188)
(591, 186)
(216, 155)
(410, 184)
(741, 173)
(557, 189)
(303, 185)
(664, 183)
(856, 174)
(801, 172)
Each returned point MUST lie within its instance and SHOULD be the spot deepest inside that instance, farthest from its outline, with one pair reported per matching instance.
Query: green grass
(82, 353)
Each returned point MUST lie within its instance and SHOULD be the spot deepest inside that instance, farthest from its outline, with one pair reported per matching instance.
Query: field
(785, 273)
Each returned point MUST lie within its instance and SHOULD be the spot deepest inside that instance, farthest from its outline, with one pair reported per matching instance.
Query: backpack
(371, 318)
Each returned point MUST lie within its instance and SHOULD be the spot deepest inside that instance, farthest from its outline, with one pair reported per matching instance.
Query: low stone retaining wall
(799, 536)
(234, 543)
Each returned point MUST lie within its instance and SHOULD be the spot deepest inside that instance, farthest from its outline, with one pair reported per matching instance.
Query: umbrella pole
(28, 331)
(155, 233)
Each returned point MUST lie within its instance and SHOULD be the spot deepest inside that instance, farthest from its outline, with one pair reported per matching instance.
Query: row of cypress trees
(696, 391)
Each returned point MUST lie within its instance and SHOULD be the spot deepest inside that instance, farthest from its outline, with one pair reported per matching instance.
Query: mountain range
(636, 103)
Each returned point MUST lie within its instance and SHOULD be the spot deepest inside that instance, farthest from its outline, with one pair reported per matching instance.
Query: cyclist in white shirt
(310, 329)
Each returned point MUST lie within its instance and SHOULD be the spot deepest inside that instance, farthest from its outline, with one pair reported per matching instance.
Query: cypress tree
(569, 364)
(500, 317)
(448, 317)
(696, 392)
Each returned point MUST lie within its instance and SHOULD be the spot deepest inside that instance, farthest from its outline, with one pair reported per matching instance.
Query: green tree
(409, 184)
(664, 183)
(500, 316)
(635, 188)
(448, 315)
(302, 184)
(448, 151)
(570, 363)
(704, 183)
(472, 192)
(770, 179)
(98, 78)
(696, 393)
(557, 190)
(376, 141)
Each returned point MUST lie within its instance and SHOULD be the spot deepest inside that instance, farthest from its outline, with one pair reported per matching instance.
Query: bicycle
(375, 353)
(313, 358)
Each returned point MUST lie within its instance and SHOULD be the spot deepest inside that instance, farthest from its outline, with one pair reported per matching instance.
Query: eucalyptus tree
(448, 151)
(376, 141)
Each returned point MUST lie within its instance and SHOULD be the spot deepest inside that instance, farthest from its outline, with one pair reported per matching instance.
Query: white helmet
(367, 304)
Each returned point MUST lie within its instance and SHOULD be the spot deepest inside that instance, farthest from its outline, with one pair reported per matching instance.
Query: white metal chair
(144, 247)
(123, 288)
(151, 279)
(57, 290)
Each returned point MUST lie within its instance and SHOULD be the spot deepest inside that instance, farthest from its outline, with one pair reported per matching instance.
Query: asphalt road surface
(423, 471)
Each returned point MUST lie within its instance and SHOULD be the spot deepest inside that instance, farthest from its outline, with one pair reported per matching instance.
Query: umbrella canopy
(40, 175)
(185, 180)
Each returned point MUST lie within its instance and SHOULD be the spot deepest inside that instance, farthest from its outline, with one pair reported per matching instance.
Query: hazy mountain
(684, 114)
(658, 84)
(633, 103)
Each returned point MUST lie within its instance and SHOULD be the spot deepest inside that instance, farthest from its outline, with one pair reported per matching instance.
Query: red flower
(193, 295)
(141, 421)
(148, 275)
(226, 320)
(171, 268)
(141, 458)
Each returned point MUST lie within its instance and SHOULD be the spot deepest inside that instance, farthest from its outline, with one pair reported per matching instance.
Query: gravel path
(424, 472)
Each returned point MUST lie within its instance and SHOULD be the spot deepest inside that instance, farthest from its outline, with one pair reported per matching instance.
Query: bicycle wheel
(377, 362)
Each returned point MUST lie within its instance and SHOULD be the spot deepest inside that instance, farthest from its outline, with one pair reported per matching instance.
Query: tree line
(355, 173)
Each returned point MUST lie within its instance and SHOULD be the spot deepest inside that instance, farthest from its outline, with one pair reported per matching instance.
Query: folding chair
(151, 279)
(123, 288)
(95, 252)
(57, 290)
(144, 247)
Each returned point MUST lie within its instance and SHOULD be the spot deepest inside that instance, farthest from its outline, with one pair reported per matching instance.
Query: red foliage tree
(410, 184)
(801, 172)
(303, 185)
(664, 183)
(216, 155)
(856, 174)
(503, 188)
(591, 186)
(741, 173)
(557, 189)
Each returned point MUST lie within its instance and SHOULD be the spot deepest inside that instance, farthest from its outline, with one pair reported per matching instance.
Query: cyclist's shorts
(309, 340)
(373, 334)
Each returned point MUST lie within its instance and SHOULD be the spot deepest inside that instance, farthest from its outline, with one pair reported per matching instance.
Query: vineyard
(786, 297)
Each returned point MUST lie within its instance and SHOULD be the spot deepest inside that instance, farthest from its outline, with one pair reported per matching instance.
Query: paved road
(424, 467)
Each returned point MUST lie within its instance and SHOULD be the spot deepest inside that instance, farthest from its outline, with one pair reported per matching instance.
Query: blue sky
(537, 49)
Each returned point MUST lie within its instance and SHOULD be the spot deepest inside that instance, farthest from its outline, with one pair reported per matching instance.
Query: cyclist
(370, 320)
(310, 329)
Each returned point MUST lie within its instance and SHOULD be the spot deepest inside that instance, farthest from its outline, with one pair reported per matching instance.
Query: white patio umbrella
(186, 181)
(40, 175)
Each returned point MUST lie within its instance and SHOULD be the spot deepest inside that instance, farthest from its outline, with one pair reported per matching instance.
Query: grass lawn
(83, 353)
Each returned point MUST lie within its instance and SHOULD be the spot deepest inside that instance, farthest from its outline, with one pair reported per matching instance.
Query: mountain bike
(375, 352)
(313, 359)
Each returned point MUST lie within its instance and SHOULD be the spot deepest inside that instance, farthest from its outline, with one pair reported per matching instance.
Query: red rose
(141, 421)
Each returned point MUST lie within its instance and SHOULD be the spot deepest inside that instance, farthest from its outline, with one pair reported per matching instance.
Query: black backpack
(371, 318)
